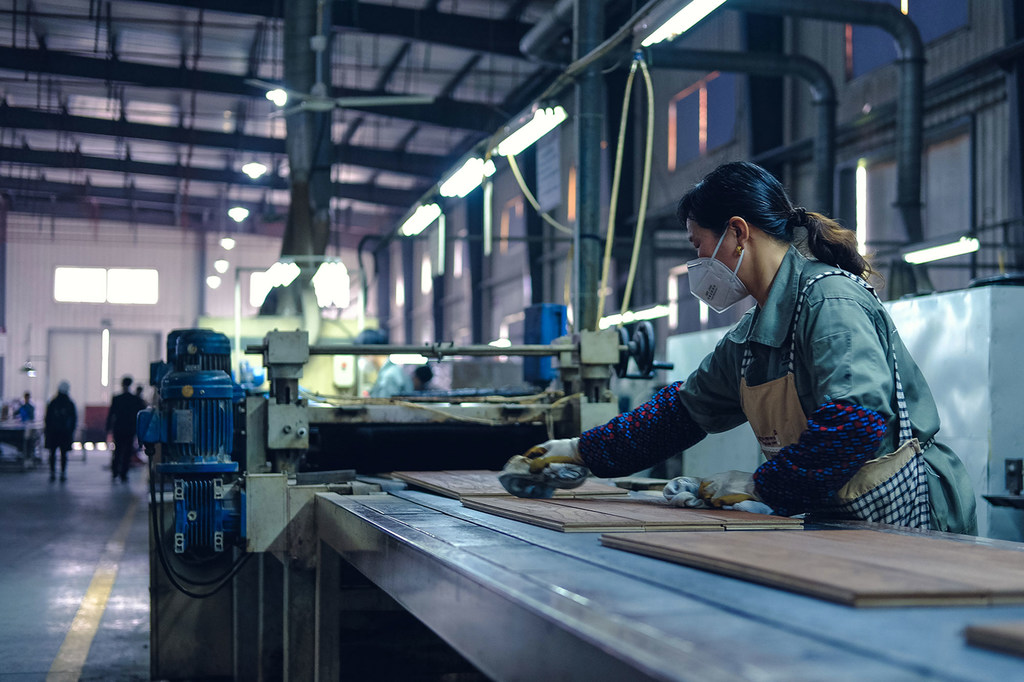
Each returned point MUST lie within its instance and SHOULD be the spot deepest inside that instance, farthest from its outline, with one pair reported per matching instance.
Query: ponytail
(745, 189)
(831, 243)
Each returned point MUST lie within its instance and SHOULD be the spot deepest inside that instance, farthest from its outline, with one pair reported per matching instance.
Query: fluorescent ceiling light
(254, 169)
(238, 213)
(634, 316)
(467, 178)
(221, 265)
(682, 21)
(227, 243)
(278, 96)
(331, 285)
(957, 248)
(543, 122)
(213, 281)
(282, 274)
(419, 220)
(407, 359)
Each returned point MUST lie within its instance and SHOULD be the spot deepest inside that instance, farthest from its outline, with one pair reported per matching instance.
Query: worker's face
(705, 241)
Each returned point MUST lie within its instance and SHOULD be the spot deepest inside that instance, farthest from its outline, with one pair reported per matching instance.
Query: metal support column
(589, 23)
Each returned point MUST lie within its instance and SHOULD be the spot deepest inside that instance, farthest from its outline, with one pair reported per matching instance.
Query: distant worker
(124, 409)
(391, 379)
(59, 429)
(421, 378)
(26, 411)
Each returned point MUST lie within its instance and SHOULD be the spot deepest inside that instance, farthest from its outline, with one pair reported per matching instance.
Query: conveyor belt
(527, 603)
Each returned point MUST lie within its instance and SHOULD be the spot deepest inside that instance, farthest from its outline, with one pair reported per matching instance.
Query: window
(513, 223)
(701, 118)
(132, 285)
(140, 286)
(80, 285)
(868, 47)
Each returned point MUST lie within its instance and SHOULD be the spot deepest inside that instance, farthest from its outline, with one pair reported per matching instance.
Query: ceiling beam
(372, 194)
(493, 36)
(405, 163)
(127, 205)
(446, 113)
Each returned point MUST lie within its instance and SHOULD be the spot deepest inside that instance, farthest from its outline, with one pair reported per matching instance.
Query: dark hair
(424, 373)
(126, 381)
(746, 190)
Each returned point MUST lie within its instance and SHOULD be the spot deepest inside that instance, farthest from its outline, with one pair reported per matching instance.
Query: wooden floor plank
(618, 515)
(853, 567)
(479, 482)
(1006, 637)
(989, 568)
(546, 514)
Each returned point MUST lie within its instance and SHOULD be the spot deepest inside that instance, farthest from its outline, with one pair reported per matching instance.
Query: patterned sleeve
(642, 437)
(804, 476)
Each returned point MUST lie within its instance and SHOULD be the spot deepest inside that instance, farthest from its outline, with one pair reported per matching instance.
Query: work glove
(560, 451)
(753, 506)
(727, 488)
(544, 468)
(682, 492)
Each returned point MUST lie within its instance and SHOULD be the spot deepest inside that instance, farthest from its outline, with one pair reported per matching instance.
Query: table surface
(577, 610)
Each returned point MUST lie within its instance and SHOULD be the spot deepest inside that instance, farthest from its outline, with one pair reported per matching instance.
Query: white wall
(37, 325)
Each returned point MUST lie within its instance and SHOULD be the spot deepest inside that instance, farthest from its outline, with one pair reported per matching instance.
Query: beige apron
(890, 489)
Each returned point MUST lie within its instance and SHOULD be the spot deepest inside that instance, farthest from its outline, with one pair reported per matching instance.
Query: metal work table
(526, 603)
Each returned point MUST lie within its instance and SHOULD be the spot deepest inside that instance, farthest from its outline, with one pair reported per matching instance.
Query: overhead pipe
(909, 103)
(541, 41)
(822, 88)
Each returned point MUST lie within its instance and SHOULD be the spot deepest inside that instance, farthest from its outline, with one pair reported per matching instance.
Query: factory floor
(74, 573)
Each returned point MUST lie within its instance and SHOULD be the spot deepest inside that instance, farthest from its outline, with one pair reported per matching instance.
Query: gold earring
(739, 250)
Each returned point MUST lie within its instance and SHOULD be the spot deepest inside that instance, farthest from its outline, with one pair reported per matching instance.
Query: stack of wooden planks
(623, 514)
(1005, 637)
(481, 483)
(853, 567)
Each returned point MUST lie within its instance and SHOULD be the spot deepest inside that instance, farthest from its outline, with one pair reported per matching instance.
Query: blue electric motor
(195, 425)
(201, 349)
(196, 407)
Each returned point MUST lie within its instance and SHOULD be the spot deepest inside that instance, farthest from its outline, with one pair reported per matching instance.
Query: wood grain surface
(1006, 637)
(853, 567)
(473, 483)
(620, 515)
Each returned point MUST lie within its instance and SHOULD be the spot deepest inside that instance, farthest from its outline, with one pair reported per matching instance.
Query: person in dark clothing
(421, 378)
(121, 423)
(59, 429)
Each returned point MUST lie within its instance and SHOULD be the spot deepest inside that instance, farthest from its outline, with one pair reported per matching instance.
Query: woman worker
(841, 411)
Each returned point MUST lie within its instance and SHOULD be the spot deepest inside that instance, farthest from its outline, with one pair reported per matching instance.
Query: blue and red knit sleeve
(806, 475)
(642, 437)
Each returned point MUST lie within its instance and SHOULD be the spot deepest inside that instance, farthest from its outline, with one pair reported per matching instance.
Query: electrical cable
(613, 201)
(644, 188)
(514, 165)
(532, 199)
(175, 579)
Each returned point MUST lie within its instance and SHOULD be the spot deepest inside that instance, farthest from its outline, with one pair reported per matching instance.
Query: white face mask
(713, 282)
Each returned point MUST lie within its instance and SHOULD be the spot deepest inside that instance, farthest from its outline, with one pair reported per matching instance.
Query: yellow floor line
(67, 666)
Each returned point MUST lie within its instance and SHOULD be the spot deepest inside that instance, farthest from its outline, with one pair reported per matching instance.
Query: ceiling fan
(318, 98)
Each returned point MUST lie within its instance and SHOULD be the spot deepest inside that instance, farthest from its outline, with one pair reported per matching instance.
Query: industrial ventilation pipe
(909, 102)
(773, 64)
